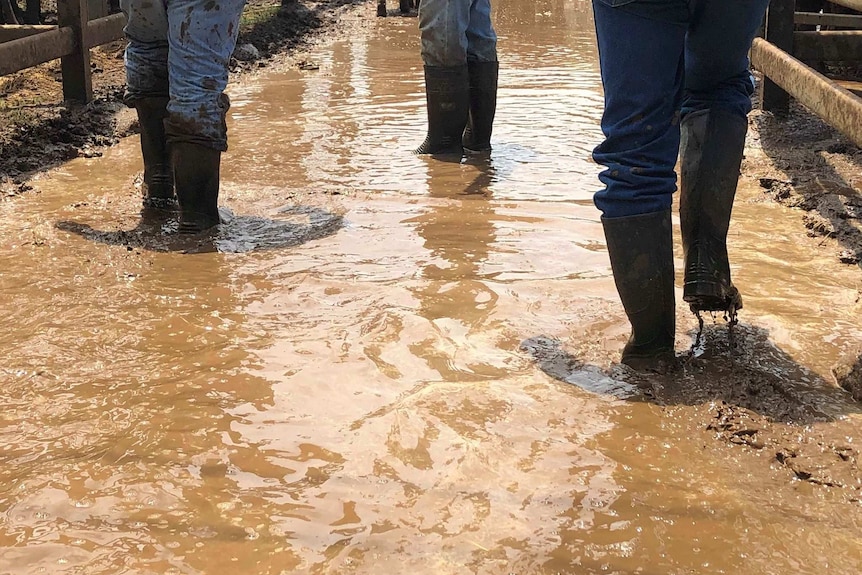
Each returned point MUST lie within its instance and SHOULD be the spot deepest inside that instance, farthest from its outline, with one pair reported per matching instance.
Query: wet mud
(388, 363)
(39, 131)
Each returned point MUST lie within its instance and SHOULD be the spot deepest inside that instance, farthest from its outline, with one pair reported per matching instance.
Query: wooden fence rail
(70, 41)
(788, 58)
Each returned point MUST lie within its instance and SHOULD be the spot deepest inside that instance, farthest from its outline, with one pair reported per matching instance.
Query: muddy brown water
(391, 364)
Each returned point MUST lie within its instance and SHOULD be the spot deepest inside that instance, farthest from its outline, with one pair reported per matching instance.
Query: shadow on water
(745, 370)
(237, 234)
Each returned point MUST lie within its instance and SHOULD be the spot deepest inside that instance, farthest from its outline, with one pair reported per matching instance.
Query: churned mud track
(37, 131)
(746, 402)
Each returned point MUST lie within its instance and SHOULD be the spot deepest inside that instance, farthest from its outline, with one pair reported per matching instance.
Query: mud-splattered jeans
(181, 49)
(660, 60)
(454, 31)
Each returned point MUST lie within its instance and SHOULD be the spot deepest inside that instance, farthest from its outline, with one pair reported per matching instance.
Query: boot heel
(711, 296)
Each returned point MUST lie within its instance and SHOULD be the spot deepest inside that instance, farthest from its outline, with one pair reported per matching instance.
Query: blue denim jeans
(454, 31)
(181, 49)
(660, 62)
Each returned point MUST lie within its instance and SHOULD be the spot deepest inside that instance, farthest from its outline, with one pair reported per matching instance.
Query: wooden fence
(23, 47)
(790, 59)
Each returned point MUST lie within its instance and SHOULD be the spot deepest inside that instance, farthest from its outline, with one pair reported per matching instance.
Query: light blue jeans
(181, 49)
(454, 31)
(661, 60)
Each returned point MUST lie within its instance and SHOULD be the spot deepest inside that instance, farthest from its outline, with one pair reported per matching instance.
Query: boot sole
(661, 363)
(708, 296)
(446, 151)
(162, 204)
(197, 223)
(477, 149)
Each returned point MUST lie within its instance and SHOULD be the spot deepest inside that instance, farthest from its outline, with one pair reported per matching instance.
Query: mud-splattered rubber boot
(641, 253)
(158, 176)
(447, 94)
(196, 173)
(483, 105)
(711, 147)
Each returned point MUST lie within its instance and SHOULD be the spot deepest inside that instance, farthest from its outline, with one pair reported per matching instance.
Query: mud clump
(744, 391)
(848, 375)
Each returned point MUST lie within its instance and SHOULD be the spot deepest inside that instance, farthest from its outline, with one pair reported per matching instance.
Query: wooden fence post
(779, 31)
(77, 81)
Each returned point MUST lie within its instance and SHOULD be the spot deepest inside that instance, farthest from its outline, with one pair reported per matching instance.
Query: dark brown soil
(38, 130)
(771, 411)
(809, 166)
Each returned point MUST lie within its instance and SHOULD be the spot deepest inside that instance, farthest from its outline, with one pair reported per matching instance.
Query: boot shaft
(483, 105)
(196, 174)
(711, 148)
(641, 253)
(158, 177)
(447, 96)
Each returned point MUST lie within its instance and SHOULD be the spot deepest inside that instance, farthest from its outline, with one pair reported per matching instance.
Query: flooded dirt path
(391, 364)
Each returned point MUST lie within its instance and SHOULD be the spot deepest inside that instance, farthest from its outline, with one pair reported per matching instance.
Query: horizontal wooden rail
(54, 43)
(105, 29)
(33, 50)
(836, 105)
(9, 32)
(852, 4)
(817, 19)
(828, 46)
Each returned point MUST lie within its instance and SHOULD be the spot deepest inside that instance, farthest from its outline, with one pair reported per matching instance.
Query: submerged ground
(388, 363)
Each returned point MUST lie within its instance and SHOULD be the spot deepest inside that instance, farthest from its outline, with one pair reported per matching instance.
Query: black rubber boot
(447, 93)
(196, 172)
(641, 253)
(711, 153)
(158, 177)
(483, 105)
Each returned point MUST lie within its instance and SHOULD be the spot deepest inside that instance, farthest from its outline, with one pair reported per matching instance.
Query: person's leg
(483, 70)
(202, 37)
(642, 72)
(442, 29)
(146, 60)
(717, 98)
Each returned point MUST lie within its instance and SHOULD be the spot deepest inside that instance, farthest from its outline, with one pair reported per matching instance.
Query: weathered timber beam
(817, 19)
(837, 106)
(55, 43)
(32, 50)
(828, 46)
(105, 29)
(9, 32)
(852, 4)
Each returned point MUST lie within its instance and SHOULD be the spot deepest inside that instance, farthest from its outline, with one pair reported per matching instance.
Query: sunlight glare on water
(382, 363)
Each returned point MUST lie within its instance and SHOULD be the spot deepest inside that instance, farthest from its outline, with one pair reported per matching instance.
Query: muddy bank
(37, 131)
(745, 401)
(803, 163)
